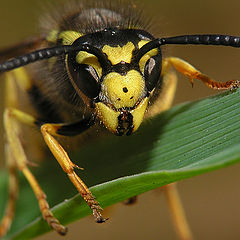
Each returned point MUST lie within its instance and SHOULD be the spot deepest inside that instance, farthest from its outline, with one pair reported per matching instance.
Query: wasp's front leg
(48, 131)
(192, 73)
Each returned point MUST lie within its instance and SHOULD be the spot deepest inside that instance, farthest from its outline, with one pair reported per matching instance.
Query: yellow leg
(177, 212)
(11, 119)
(192, 73)
(12, 193)
(11, 99)
(62, 157)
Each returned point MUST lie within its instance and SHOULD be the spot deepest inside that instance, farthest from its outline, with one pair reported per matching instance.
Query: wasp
(94, 66)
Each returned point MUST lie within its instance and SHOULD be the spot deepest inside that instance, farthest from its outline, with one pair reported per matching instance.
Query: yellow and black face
(114, 81)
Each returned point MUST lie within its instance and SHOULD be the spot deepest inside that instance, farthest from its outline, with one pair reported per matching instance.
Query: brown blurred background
(211, 200)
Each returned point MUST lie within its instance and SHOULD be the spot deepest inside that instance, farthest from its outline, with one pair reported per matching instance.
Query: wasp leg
(12, 162)
(177, 211)
(48, 130)
(192, 73)
(12, 193)
(162, 103)
(11, 119)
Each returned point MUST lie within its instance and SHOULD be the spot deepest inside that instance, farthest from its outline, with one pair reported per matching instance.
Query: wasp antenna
(48, 53)
(32, 57)
(205, 39)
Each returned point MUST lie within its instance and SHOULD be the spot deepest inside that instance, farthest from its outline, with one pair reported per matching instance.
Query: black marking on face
(125, 90)
(125, 123)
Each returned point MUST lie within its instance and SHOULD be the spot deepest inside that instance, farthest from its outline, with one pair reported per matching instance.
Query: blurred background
(211, 200)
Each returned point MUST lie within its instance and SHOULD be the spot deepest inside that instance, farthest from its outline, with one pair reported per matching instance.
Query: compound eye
(86, 79)
(152, 72)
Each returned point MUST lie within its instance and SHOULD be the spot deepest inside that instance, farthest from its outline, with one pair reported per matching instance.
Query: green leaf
(185, 141)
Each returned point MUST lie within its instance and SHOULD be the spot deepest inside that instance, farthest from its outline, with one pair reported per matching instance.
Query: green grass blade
(185, 141)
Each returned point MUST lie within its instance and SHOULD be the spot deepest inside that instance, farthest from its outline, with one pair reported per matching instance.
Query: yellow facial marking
(108, 116)
(118, 54)
(145, 57)
(68, 37)
(89, 59)
(138, 113)
(123, 91)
